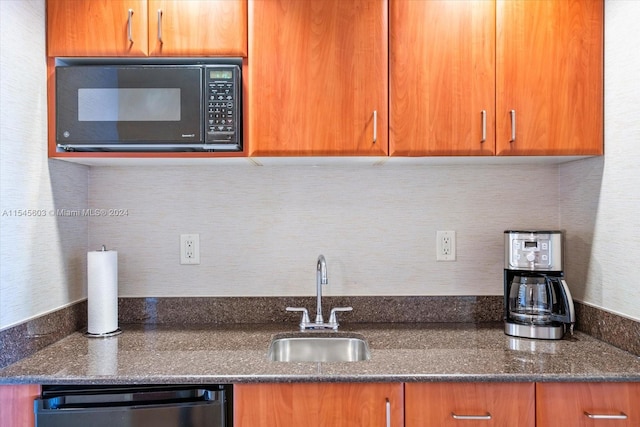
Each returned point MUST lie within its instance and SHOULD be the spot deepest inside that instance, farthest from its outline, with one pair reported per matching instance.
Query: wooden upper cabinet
(97, 28)
(318, 405)
(146, 28)
(470, 404)
(549, 69)
(587, 404)
(318, 77)
(442, 80)
(197, 27)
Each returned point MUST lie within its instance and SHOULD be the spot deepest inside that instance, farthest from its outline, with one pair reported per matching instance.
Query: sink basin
(316, 348)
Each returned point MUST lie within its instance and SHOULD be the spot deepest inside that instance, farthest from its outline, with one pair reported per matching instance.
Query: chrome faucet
(321, 279)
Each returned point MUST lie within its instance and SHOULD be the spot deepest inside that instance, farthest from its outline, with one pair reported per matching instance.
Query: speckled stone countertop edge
(399, 353)
(146, 380)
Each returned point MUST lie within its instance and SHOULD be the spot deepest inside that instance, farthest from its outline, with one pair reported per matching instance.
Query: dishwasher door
(138, 406)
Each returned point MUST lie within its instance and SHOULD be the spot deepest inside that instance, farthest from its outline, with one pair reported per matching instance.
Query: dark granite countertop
(405, 352)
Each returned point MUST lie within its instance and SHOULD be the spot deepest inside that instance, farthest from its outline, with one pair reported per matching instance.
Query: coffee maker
(537, 301)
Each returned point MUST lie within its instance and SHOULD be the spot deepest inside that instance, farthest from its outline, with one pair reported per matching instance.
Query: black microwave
(149, 107)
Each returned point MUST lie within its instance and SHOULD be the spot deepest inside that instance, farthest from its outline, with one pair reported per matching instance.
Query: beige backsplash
(262, 228)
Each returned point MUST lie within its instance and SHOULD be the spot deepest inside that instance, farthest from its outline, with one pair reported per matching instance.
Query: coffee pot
(538, 302)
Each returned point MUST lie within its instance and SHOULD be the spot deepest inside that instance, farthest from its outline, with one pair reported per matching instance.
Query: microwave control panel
(223, 106)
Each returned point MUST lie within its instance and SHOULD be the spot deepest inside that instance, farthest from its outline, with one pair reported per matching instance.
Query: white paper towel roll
(102, 292)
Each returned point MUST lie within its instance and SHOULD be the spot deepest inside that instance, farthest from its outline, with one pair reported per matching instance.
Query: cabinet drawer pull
(129, 35)
(483, 114)
(455, 416)
(375, 126)
(620, 416)
(160, 26)
(388, 412)
(513, 125)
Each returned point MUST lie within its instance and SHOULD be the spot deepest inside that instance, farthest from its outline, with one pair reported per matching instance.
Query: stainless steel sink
(318, 348)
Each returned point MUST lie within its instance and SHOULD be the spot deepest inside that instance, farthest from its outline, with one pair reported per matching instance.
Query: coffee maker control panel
(533, 250)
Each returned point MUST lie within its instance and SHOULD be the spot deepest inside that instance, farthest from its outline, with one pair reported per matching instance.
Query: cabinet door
(470, 404)
(549, 72)
(442, 77)
(197, 27)
(317, 405)
(318, 72)
(97, 28)
(16, 404)
(588, 404)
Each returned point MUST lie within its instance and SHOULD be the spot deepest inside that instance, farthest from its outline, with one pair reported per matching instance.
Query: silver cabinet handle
(375, 126)
(388, 412)
(455, 416)
(160, 25)
(620, 416)
(129, 26)
(483, 113)
(513, 125)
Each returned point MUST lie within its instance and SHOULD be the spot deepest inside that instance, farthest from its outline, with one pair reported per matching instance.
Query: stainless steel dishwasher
(134, 406)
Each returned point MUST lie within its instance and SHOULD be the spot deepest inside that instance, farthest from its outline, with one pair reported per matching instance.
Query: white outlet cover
(189, 249)
(445, 246)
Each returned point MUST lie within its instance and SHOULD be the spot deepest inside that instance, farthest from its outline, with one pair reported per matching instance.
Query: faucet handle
(305, 315)
(333, 319)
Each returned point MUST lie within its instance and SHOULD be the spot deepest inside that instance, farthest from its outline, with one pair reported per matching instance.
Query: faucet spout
(321, 279)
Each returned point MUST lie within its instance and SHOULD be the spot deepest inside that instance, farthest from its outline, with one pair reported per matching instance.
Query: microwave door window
(129, 105)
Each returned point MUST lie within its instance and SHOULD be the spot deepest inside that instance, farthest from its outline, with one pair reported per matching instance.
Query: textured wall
(262, 228)
(600, 197)
(42, 264)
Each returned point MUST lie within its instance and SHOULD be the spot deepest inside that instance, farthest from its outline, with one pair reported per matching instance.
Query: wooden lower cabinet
(318, 405)
(16, 404)
(588, 404)
(470, 404)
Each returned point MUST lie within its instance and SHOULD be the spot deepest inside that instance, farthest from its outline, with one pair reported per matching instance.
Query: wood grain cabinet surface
(318, 77)
(588, 404)
(146, 28)
(470, 404)
(16, 404)
(549, 72)
(442, 78)
(318, 405)
(506, 77)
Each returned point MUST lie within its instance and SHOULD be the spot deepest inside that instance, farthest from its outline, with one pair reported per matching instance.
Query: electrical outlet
(445, 246)
(189, 249)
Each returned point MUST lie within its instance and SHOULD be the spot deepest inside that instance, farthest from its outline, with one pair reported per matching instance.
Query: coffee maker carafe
(537, 300)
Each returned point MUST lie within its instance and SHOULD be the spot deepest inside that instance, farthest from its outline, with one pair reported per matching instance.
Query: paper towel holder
(106, 335)
(118, 331)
